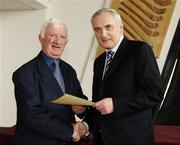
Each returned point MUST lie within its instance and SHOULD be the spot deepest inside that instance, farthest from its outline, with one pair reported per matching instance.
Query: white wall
(19, 44)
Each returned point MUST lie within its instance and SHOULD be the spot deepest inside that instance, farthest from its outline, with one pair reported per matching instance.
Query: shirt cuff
(87, 128)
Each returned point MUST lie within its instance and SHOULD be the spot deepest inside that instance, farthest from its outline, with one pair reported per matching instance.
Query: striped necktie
(109, 57)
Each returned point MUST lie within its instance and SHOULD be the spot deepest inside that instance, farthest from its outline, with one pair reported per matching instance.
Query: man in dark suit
(127, 86)
(38, 120)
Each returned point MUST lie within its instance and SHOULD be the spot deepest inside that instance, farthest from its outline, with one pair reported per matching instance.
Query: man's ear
(40, 38)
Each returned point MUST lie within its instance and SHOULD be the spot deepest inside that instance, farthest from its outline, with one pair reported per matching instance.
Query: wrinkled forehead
(103, 19)
(56, 28)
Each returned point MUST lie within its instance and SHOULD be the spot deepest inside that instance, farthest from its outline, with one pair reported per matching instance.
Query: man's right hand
(79, 131)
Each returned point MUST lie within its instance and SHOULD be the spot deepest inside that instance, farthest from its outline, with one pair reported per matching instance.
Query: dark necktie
(109, 57)
(58, 75)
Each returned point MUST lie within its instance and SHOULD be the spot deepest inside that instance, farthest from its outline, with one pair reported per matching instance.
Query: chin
(55, 56)
(106, 47)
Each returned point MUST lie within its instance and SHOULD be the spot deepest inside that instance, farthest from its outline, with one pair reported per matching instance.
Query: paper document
(68, 99)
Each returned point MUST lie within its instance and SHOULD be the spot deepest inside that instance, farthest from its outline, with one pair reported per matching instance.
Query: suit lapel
(100, 66)
(119, 56)
(47, 77)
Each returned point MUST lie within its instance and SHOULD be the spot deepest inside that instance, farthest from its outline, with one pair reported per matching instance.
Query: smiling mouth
(56, 46)
(105, 40)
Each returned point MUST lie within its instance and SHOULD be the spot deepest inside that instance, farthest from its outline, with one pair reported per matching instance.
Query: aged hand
(105, 106)
(82, 128)
(78, 109)
(79, 131)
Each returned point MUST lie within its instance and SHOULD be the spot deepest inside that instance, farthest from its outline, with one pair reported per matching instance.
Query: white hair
(52, 21)
(113, 12)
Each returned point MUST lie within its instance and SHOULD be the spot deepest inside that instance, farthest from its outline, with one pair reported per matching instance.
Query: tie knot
(56, 62)
(55, 65)
(110, 54)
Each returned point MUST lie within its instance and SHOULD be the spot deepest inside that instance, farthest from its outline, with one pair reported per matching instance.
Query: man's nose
(58, 39)
(104, 33)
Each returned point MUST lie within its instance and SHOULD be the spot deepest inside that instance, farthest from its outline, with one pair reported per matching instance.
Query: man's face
(54, 41)
(107, 31)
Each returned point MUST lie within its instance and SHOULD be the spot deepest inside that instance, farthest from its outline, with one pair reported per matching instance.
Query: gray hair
(113, 12)
(53, 22)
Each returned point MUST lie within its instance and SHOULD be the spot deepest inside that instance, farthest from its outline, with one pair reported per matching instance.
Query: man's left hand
(105, 106)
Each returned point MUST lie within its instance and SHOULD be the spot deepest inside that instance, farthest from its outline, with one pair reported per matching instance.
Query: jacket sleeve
(148, 82)
(33, 113)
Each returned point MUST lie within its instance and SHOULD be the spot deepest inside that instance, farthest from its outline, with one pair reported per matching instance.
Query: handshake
(104, 106)
(80, 130)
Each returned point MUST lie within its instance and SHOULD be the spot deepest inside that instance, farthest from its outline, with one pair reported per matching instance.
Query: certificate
(68, 99)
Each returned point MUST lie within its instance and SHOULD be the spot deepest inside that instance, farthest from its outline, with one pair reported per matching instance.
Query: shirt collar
(47, 59)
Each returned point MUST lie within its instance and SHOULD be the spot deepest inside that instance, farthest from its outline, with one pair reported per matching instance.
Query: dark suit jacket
(38, 120)
(134, 83)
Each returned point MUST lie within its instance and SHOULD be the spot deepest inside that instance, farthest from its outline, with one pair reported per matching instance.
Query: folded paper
(68, 99)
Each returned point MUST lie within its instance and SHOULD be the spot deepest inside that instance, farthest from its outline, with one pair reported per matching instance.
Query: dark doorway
(169, 113)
